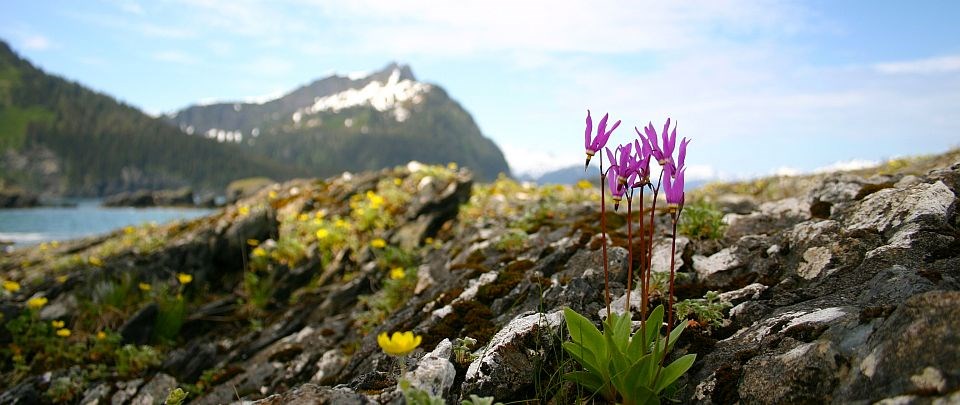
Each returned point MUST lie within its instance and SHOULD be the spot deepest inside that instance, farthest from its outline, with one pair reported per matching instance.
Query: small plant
(462, 350)
(176, 397)
(707, 311)
(703, 221)
(621, 367)
(67, 388)
(514, 240)
(475, 400)
(133, 360)
(172, 311)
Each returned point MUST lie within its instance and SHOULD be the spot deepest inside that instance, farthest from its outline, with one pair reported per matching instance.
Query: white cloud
(534, 161)
(36, 42)
(941, 64)
(847, 165)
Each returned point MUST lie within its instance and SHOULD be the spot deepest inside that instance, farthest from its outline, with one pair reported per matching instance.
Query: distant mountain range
(340, 123)
(60, 138)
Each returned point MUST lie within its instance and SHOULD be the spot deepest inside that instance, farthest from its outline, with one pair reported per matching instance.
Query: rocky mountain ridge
(328, 125)
(846, 293)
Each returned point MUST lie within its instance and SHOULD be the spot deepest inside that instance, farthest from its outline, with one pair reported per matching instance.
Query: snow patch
(379, 95)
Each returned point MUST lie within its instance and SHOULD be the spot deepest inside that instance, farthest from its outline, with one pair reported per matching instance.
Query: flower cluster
(630, 162)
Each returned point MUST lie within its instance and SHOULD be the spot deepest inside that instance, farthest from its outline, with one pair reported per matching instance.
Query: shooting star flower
(592, 145)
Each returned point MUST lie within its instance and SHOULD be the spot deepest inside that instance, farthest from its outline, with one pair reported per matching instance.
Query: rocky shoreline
(847, 293)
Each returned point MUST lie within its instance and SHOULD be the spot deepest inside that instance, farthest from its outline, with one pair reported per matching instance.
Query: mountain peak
(383, 75)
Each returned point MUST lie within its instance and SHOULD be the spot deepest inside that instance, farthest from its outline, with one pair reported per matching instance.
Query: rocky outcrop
(845, 294)
(183, 197)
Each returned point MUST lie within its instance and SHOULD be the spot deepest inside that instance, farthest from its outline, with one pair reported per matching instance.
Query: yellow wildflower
(101, 335)
(56, 324)
(375, 200)
(184, 278)
(584, 184)
(322, 233)
(63, 332)
(11, 286)
(272, 194)
(320, 214)
(397, 181)
(378, 243)
(44, 246)
(36, 302)
(145, 287)
(95, 261)
(253, 242)
(428, 241)
(303, 217)
(397, 273)
(340, 223)
(317, 221)
(243, 210)
(129, 230)
(54, 244)
(452, 165)
(62, 279)
(399, 344)
(259, 252)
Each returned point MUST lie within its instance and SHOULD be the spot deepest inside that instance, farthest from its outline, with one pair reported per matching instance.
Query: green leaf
(587, 379)
(640, 395)
(675, 335)
(586, 358)
(619, 327)
(671, 373)
(652, 324)
(584, 332)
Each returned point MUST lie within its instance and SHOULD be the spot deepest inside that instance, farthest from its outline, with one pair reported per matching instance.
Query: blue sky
(761, 86)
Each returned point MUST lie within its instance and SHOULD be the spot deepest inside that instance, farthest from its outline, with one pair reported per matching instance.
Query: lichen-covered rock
(310, 394)
(435, 373)
(504, 366)
(155, 391)
(771, 216)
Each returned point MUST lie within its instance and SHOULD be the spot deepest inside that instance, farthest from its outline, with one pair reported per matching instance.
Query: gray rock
(98, 394)
(60, 308)
(660, 262)
(310, 394)
(750, 292)
(736, 203)
(771, 217)
(887, 210)
(717, 270)
(435, 373)
(155, 391)
(805, 374)
(126, 390)
(329, 365)
(505, 365)
(914, 350)
(139, 327)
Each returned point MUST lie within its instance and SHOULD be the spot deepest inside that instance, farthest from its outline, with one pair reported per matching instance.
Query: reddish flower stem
(603, 235)
(629, 248)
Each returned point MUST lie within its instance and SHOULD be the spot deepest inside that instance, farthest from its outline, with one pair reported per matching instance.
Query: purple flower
(673, 190)
(680, 159)
(616, 190)
(595, 144)
(625, 163)
(664, 156)
(642, 162)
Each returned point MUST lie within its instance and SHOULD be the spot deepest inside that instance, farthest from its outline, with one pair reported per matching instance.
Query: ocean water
(29, 226)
